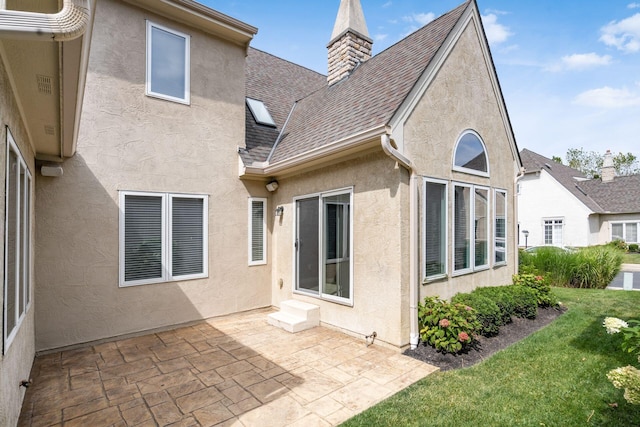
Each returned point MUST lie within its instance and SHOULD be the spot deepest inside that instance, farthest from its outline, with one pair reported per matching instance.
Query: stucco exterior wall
(380, 270)
(459, 98)
(128, 141)
(604, 232)
(15, 361)
(542, 197)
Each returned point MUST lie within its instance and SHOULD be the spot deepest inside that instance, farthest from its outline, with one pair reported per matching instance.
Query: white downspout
(67, 24)
(392, 152)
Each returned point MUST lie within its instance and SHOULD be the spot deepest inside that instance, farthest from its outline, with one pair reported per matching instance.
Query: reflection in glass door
(307, 245)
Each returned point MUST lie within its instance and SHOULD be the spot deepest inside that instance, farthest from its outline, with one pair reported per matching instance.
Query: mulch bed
(485, 347)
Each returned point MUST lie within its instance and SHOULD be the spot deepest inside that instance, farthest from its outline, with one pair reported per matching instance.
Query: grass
(631, 258)
(555, 377)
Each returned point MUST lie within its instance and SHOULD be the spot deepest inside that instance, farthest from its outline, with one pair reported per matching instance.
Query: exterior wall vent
(44, 84)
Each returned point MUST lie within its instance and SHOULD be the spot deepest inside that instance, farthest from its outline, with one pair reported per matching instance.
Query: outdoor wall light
(272, 186)
(51, 170)
(279, 210)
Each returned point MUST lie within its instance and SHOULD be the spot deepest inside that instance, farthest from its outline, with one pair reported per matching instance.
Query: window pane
(257, 230)
(142, 237)
(461, 243)
(22, 280)
(307, 244)
(11, 236)
(187, 233)
(435, 228)
(470, 153)
(481, 224)
(632, 232)
(500, 227)
(168, 66)
(616, 232)
(336, 242)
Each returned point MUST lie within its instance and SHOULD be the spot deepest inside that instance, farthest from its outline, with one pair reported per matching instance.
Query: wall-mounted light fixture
(51, 170)
(279, 210)
(272, 186)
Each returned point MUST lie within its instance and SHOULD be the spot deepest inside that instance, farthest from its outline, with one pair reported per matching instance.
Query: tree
(557, 159)
(590, 162)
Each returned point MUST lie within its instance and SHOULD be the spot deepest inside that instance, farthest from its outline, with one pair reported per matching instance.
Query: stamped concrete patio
(230, 371)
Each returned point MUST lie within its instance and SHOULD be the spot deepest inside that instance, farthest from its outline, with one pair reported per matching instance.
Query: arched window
(471, 155)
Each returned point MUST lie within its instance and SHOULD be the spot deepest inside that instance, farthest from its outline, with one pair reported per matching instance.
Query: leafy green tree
(590, 162)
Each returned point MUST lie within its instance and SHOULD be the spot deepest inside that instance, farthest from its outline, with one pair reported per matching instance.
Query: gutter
(391, 151)
(67, 24)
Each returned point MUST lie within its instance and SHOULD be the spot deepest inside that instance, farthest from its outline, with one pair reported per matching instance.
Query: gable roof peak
(350, 18)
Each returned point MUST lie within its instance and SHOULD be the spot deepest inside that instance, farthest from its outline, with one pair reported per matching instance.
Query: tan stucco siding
(129, 141)
(380, 264)
(16, 361)
(603, 234)
(460, 97)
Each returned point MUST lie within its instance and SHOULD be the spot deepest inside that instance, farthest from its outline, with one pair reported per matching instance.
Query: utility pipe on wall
(67, 24)
(392, 152)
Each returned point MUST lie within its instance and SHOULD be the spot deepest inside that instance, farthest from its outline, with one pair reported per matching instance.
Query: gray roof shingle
(622, 195)
(368, 98)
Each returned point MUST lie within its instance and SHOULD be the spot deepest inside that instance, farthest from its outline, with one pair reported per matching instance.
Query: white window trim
(472, 213)
(544, 220)
(321, 271)
(468, 170)
(187, 66)
(624, 229)
(446, 230)
(165, 238)
(506, 229)
(23, 248)
(264, 231)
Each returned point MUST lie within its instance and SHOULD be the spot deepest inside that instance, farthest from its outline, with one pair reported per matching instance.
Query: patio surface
(230, 371)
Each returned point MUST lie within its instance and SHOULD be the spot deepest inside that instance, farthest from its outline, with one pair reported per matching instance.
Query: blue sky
(569, 70)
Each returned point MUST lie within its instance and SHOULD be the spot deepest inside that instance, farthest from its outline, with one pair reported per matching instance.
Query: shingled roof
(324, 114)
(622, 195)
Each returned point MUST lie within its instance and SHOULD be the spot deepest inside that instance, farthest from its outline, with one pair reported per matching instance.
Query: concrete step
(295, 316)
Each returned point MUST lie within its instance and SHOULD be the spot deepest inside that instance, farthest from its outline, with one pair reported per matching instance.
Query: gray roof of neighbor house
(324, 114)
(622, 195)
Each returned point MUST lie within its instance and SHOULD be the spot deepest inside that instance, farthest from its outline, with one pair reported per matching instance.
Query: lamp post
(526, 237)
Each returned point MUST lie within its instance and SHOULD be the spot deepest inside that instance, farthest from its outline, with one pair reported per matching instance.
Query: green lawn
(631, 258)
(555, 377)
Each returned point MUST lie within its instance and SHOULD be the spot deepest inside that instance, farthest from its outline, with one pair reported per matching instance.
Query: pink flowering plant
(448, 327)
(627, 377)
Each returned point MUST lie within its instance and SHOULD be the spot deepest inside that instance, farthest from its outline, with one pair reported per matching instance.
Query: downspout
(67, 24)
(391, 151)
(515, 209)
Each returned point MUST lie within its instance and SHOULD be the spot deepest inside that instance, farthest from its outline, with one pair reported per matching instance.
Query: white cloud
(380, 37)
(624, 34)
(581, 61)
(633, 5)
(387, 5)
(608, 97)
(496, 33)
(421, 19)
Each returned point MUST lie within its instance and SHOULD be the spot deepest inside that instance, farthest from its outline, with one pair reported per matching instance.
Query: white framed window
(553, 231)
(168, 64)
(163, 237)
(470, 155)
(257, 231)
(470, 228)
(625, 231)
(435, 229)
(17, 242)
(323, 249)
(500, 227)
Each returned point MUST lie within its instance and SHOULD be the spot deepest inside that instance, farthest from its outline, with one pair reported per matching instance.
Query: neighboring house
(560, 206)
(160, 171)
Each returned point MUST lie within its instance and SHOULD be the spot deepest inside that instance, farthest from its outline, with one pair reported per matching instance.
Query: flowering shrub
(486, 310)
(447, 327)
(540, 284)
(627, 377)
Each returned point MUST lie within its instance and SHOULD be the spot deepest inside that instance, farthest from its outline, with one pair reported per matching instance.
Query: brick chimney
(608, 170)
(350, 43)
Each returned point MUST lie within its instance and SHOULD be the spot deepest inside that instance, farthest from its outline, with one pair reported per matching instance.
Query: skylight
(260, 112)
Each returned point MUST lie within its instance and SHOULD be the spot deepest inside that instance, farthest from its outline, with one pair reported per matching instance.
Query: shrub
(553, 263)
(525, 301)
(627, 377)
(502, 298)
(633, 247)
(487, 312)
(540, 285)
(618, 244)
(447, 326)
(595, 267)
